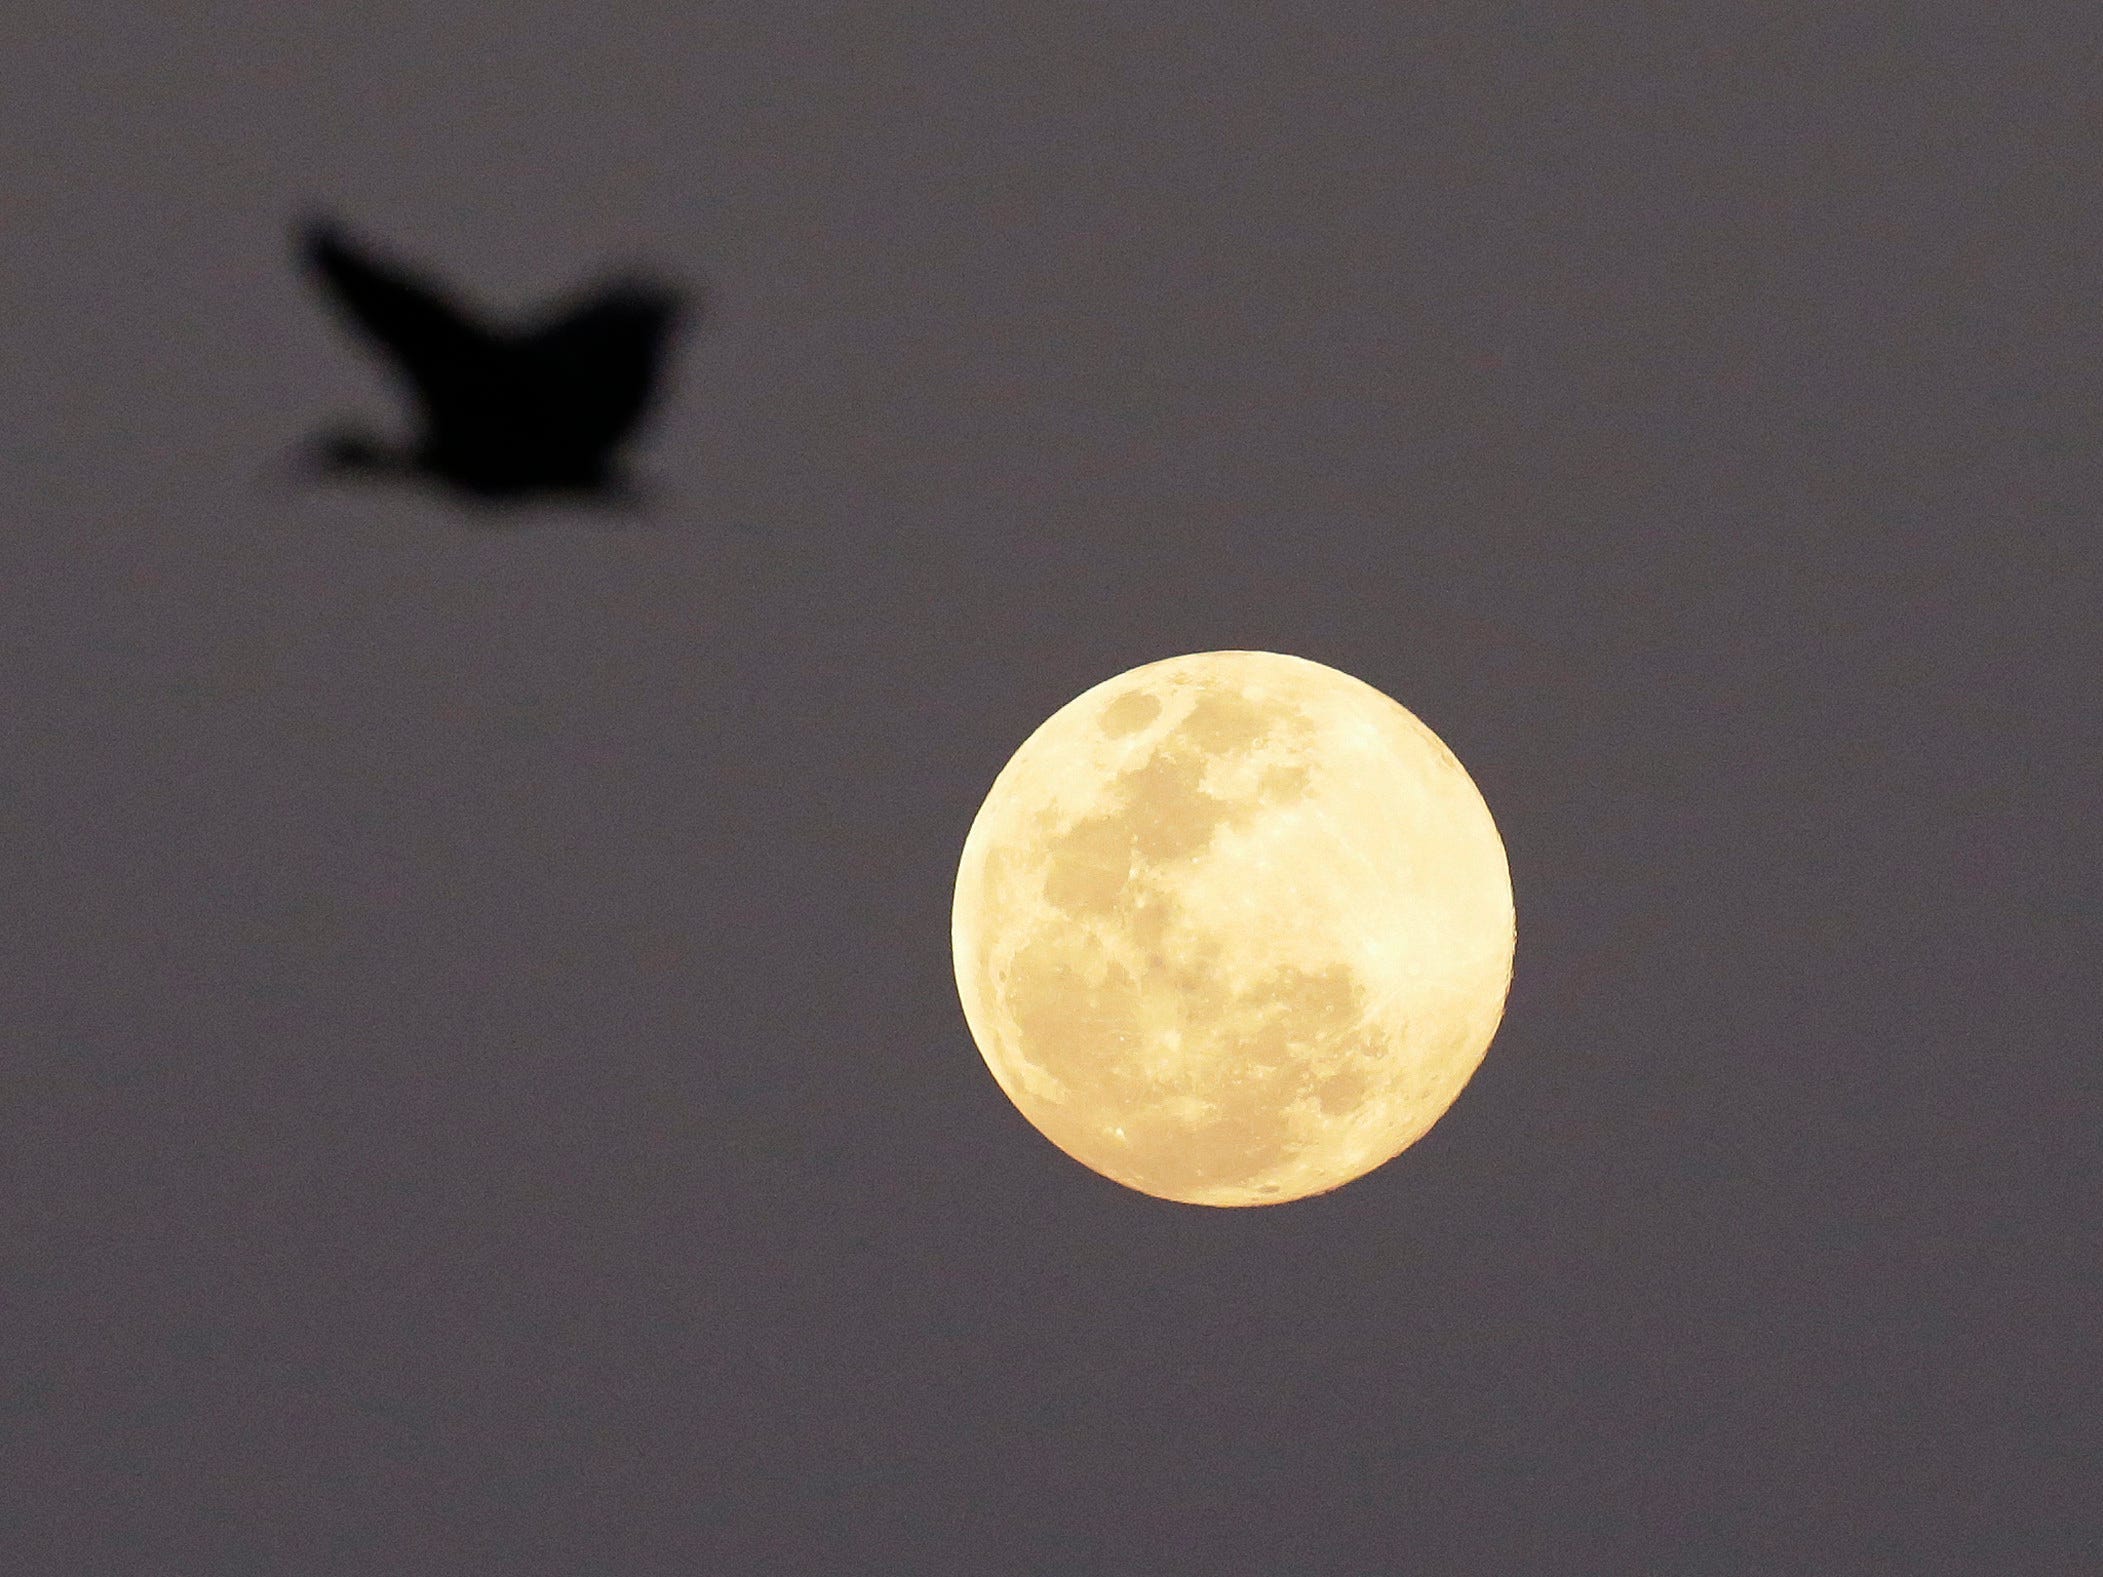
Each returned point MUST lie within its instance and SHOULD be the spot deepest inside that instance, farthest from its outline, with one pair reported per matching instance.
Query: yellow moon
(1233, 928)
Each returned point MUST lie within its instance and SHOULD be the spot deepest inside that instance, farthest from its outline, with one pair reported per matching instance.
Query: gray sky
(485, 1090)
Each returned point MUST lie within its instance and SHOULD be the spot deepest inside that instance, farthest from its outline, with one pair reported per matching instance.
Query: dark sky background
(485, 1091)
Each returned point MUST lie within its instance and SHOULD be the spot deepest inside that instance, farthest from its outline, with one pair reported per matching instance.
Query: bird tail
(345, 450)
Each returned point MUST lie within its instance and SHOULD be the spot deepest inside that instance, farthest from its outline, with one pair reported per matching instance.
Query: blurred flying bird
(506, 411)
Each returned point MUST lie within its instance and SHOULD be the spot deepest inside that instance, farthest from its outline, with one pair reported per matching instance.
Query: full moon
(1233, 928)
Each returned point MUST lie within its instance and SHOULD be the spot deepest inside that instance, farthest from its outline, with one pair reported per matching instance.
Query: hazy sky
(484, 1090)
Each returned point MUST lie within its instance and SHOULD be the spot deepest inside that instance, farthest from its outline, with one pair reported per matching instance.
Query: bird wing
(604, 356)
(434, 341)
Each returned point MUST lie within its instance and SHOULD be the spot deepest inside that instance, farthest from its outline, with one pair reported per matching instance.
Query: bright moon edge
(1233, 928)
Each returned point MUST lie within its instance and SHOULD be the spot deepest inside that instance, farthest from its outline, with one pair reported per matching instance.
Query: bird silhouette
(506, 411)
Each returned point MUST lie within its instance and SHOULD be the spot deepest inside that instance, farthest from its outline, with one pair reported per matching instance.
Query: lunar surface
(1233, 928)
